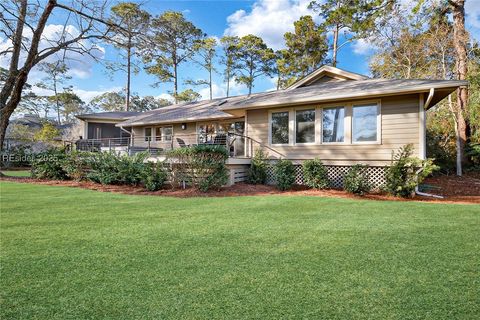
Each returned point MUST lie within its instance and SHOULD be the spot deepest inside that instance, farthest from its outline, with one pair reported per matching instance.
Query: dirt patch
(455, 189)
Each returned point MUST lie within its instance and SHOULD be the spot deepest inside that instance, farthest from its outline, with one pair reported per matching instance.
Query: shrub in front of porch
(201, 166)
(50, 164)
(257, 173)
(356, 180)
(404, 173)
(315, 174)
(284, 174)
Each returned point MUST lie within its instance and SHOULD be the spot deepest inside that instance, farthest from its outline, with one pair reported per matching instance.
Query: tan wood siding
(399, 126)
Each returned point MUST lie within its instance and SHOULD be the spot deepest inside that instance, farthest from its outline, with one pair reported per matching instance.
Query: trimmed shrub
(77, 165)
(154, 176)
(356, 180)
(315, 174)
(257, 174)
(401, 176)
(217, 179)
(50, 164)
(201, 166)
(284, 174)
(111, 168)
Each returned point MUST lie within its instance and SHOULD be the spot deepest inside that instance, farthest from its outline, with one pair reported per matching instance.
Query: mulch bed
(455, 189)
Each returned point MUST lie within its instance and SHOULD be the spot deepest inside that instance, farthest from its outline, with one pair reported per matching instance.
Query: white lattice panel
(335, 175)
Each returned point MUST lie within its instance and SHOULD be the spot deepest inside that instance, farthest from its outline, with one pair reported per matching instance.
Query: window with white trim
(333, 124)
(305, 126)
(365, 123)
(280, 127)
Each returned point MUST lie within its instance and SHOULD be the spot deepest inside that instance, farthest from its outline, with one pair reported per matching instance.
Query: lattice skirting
(335, 175)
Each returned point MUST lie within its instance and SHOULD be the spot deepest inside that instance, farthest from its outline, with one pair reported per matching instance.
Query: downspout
(425, 107)
(131, 137)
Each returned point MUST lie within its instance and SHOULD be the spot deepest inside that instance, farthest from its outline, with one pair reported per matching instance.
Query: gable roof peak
(326, 71)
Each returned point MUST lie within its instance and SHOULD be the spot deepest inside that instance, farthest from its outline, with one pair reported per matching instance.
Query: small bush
(315, 174)
(356, 180)
(50, 165)
(217, 179)
(77, 165)
(472, 150)
(284, 174)
(257, 174)
(154, 176)
(201, 166)
(111, 168)
(401, 176)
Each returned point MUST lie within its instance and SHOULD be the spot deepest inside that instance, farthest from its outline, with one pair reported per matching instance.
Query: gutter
(423, 193)
(429, 98)
(417, 191)
(121, 128)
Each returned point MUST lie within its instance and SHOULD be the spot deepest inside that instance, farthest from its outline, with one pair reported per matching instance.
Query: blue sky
(213, 18)
(269, 19)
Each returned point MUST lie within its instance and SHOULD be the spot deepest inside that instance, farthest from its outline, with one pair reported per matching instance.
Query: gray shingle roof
(184, 112)
(323, 92)
(112, 115)
(330, 91)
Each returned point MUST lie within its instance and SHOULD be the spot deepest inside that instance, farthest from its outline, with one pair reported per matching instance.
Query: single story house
(341, 117)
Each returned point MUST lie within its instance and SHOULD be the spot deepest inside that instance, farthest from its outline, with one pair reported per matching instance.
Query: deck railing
(237, 145)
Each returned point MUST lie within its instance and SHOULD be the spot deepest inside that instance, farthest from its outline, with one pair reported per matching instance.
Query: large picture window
(333, 120)
(280, 127)
(305, 126)
(364, 123)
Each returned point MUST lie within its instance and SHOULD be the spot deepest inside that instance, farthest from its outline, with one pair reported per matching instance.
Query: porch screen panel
(333, 120)
(280, 127)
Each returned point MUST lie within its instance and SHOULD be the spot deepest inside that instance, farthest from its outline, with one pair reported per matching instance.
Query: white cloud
(472, 11)
(362, 47)
(80, 66)
(85, 95)
(218, 91)
(268, 19)
(165, 96)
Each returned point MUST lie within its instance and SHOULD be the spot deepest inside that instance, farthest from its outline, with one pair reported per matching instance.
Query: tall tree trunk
(129, 67)
(57, 103)
(228, 81)
(210, 81)
(460, 43)
(11, 92)
(335, 45)
(455, 122)
(175, 84)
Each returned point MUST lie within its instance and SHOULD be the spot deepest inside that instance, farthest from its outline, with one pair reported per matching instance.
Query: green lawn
(16, 173)
(69, 253)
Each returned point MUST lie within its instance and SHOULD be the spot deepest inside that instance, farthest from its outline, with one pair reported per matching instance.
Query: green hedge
(315, 174)
(284, 174)
(356, 180)
(100, 167)
(201, 166)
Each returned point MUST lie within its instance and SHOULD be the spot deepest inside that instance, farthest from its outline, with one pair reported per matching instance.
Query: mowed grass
(16, 173)
(69, 253)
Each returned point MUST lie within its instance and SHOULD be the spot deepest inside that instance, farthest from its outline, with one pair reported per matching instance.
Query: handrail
(260, 144)
(151, 142)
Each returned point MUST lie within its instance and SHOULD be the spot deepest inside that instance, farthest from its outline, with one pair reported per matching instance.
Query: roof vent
(221, 102)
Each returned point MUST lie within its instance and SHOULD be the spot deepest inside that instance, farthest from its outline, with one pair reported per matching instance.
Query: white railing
(237, 145)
